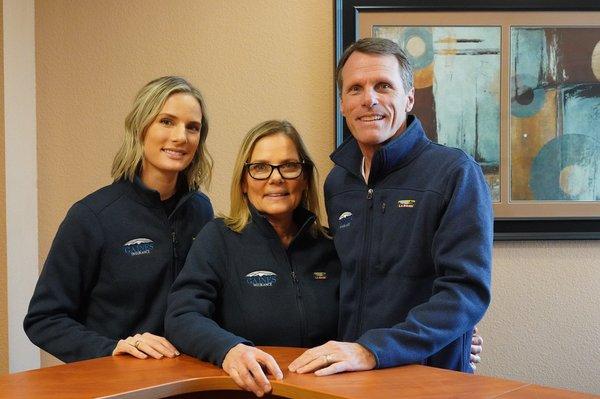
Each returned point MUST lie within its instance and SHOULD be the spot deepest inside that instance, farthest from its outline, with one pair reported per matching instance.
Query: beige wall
(252, 60)
(272, 59)
(544, 322)
(3, 290)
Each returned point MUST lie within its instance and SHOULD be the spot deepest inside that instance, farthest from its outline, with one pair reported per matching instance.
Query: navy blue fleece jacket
(247, 288)
(415, 244)
(110, 268)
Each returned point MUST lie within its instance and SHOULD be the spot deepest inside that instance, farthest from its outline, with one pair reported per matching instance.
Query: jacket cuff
(371, 348)
(222, 352)
(109, 347)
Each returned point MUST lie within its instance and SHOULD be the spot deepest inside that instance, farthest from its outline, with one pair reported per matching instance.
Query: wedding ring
(137, 344)
(328, 358)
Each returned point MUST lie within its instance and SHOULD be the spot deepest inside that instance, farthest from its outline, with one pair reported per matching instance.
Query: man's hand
(476, 348)
(144, 345)
(334, 357)
(244, 364)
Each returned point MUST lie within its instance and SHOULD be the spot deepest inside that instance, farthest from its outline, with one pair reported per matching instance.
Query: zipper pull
(175, 264)
(174, 242)
(297, 284)
(369, 198)
(383, 207)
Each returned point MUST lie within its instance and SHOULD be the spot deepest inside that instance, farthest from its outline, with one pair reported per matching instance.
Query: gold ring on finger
(137, 344)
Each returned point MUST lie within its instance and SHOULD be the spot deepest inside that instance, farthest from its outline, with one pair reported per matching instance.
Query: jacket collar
(151, 198)
(393, 154)
(302, 217)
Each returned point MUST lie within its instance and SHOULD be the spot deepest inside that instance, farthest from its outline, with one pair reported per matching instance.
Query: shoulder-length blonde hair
(147, 105)
(239, 213)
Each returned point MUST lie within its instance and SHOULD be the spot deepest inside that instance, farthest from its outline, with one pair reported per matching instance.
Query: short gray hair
(376, 45)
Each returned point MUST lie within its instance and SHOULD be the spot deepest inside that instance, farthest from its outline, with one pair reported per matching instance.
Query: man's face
(373, 99)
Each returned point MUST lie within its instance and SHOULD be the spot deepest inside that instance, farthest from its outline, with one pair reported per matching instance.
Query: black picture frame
(515, 228)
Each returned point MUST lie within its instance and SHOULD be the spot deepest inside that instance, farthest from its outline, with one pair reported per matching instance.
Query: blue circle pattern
(424, 34)
(557, 154)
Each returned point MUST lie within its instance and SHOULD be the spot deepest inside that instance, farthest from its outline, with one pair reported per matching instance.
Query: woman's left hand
(334, 357)
(144, 345)
(476, 348)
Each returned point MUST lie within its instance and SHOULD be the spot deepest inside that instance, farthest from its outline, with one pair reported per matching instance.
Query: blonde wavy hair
(147, 105)
(239, 213)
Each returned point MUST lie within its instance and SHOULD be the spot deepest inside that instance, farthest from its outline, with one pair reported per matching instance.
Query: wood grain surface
(125, 377)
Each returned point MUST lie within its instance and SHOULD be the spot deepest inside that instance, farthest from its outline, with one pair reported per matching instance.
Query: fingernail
(177, 353)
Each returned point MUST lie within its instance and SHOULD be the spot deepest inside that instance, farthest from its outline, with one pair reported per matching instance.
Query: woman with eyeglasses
(267, 274)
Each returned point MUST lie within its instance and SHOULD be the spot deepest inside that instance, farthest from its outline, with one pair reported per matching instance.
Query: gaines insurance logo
(138, 246)
(261, 278)
(345, 219)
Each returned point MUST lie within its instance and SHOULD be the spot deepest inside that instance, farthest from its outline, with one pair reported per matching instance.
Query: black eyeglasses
(262, 170)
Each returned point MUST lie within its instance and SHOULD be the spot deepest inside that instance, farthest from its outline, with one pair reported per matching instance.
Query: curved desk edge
(224, 383)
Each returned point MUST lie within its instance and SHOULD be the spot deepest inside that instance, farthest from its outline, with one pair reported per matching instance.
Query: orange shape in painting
(450, 49)
(528, 136)
(424, 77)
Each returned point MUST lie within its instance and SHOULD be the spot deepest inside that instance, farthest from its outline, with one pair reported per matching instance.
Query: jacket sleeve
(54, 319)
(462, 256)
(191, 304)
(206, 209)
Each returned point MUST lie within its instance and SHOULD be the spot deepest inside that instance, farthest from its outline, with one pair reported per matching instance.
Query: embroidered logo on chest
(138, 246)
(320, 275)
(261, 278)
(345, 219)
(408, 203)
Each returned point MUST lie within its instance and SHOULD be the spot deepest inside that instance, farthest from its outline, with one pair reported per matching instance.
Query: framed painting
(515, 84)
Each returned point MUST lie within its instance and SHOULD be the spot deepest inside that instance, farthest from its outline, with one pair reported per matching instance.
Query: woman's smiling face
(172, 138)
(275, 196)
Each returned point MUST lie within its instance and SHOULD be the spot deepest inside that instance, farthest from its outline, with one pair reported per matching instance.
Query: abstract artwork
(513, 83)
(457, 88)
(555, 113)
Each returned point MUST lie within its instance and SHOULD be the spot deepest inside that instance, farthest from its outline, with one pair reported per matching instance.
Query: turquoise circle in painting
(532, 98)
(571, 160)
(425, 35)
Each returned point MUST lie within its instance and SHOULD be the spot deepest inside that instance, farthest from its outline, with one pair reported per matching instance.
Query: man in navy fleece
(412, 223)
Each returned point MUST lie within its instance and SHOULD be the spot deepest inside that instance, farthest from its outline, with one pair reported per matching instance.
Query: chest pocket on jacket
(403, 226)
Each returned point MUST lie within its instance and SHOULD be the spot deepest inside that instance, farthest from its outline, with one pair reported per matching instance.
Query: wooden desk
(125, 377)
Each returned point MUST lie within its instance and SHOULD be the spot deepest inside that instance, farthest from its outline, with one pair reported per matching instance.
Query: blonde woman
(104, 285)
(265, 275)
